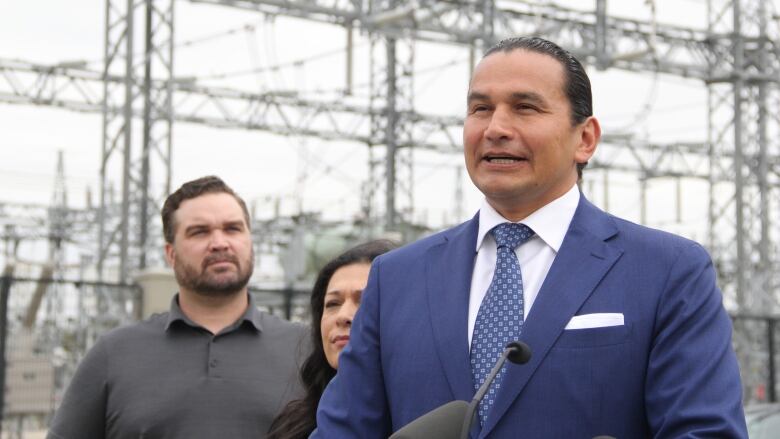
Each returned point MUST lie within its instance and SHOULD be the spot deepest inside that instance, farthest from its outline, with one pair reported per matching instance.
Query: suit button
(213, 363)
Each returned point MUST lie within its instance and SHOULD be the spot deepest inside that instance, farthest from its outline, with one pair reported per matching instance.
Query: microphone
(517, 352)
(453, 420)
(440, 423)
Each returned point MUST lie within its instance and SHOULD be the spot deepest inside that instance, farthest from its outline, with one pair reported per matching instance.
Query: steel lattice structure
(389, 118)
(138, 161)
(737, 58)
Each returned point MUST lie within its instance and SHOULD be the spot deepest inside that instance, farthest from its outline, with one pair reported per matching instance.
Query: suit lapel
(582, 261)
(448, 280)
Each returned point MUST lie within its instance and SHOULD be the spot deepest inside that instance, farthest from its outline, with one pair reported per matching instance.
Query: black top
(168, 377)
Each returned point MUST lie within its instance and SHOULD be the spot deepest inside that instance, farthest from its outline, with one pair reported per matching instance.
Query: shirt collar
(251, 315)
(550, 222)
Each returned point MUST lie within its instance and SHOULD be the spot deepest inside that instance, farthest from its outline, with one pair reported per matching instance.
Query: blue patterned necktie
(500, 316)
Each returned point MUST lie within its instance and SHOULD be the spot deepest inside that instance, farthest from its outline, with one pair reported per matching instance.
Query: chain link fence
(46, 329)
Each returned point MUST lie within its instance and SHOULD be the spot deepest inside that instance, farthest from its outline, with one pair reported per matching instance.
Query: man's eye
(332, 303)
(525, 107)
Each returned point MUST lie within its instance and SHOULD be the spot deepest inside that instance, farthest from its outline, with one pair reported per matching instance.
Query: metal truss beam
(73, 88)
(32, 221)
(626, 44)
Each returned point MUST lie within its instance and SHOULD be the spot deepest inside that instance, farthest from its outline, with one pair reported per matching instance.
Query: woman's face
(342, 299)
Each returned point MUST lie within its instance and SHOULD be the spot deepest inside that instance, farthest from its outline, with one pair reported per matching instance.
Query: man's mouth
(504, 160)
(219, 259)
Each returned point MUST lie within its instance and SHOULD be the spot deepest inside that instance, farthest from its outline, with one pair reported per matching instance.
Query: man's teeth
(503, 160)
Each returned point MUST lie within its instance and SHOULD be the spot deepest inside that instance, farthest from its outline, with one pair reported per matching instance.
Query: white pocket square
(598, 320)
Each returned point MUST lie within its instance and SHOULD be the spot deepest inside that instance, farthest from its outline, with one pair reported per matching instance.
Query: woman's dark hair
(299, 418)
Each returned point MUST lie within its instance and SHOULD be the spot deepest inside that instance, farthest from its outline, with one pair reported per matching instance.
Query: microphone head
(519, 352)
(443, 422)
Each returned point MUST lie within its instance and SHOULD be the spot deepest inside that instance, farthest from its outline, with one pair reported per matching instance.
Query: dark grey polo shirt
(167, 377)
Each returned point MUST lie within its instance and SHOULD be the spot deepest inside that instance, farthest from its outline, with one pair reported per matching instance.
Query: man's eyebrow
(528, 96)
(195, 227)
(234, 223)
(517, 96)
(476, 96)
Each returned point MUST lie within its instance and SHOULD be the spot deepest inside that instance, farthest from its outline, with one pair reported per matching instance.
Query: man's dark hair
(576, 85)
(193, 189)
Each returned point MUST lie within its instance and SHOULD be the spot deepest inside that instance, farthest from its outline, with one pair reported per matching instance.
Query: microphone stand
(520, 353)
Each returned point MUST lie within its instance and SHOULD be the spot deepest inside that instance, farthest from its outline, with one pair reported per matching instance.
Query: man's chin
(220, 288)
(221, 269)
(209, 283)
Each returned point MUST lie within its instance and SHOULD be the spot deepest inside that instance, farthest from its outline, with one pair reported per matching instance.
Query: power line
(186, 44)
(296, 63)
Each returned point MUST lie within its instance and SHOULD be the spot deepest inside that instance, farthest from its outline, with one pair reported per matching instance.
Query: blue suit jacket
(669, 371)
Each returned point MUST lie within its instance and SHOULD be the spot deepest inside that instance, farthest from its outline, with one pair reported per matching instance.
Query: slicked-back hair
(299, 418)
(576, 85)
(192, 189)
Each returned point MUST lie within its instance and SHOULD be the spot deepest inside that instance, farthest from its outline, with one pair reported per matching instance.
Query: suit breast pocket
(593, 337)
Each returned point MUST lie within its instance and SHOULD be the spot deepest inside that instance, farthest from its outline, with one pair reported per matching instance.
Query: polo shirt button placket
(213, 362)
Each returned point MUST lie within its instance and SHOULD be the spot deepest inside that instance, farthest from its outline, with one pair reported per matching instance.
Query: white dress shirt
(536, 255)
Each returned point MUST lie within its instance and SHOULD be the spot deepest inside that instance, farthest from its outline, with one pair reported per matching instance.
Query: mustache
(219, 257)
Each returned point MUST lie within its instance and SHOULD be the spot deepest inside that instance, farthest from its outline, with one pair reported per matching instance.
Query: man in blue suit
(626, 324)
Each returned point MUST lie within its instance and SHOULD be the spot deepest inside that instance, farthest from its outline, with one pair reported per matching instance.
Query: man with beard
(213, 366)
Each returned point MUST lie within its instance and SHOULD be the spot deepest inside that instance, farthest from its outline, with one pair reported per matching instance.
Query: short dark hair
(576, 85)
(298, 418)
(193, 189)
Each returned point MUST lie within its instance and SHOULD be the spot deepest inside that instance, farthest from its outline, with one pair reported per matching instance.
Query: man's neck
(515, 210)
(213, 313)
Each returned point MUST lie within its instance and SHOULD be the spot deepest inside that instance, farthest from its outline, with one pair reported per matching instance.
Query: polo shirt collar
(251, 315)
(550, 222)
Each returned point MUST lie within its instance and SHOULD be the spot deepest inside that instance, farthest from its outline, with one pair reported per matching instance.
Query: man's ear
(590, 133)
(170, 255)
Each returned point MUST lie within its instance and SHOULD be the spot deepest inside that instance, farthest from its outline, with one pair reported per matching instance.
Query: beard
(206, 283)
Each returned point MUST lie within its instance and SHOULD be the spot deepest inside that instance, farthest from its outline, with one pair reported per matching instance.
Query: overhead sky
(305, 172)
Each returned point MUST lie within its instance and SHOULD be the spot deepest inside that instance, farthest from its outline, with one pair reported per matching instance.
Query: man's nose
(218, 240)
(500, 126)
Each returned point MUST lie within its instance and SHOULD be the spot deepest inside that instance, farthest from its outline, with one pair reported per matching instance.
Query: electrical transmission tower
(736, 57)
(743, 109)
(143, 159)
